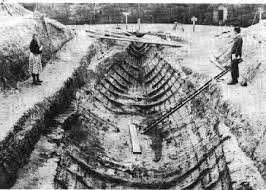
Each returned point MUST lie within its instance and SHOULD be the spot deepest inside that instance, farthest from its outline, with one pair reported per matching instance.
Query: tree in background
(106, 13)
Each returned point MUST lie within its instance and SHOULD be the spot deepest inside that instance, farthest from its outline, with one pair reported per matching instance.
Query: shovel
(243, 83)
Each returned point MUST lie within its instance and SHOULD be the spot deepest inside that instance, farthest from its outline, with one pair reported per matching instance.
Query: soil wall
(17, 146)
(16, 31)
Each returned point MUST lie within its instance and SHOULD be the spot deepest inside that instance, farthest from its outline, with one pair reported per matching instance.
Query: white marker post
(138, 25)
(260, 13)
(138, 18)
(126, 14)
(194, 20)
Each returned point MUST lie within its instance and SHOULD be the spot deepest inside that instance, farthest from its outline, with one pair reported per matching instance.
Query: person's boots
(233, 82)
(38, 80)
(34, 80)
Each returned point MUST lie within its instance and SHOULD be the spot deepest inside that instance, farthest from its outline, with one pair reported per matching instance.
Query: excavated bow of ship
(139, 86)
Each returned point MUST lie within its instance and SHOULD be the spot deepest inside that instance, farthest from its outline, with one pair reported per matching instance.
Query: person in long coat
(35, 65)
(236, 54)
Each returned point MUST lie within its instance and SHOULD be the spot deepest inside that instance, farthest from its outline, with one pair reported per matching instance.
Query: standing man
(236, 54)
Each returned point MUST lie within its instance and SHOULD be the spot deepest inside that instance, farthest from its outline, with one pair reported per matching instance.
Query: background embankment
(17, 27)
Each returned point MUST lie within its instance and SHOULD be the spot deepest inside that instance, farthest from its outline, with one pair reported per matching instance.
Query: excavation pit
(129, 85)
(134, 86)
(103, 116)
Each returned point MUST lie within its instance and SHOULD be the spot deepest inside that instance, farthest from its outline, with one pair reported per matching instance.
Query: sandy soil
(16, 33)
(40, 171)
(249, 100)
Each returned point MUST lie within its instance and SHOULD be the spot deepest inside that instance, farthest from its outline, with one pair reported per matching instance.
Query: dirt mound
(12, 10)
(17, 27)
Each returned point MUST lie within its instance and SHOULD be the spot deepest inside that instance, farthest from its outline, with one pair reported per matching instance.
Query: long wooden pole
(186, 100)
(134, 40)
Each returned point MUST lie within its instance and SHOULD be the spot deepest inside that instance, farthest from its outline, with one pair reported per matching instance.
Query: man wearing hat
(236, 53)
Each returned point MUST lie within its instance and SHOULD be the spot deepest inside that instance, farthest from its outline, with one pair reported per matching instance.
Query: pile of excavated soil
(12, 9)
(250, 100)
(245, 105)
(17, 27)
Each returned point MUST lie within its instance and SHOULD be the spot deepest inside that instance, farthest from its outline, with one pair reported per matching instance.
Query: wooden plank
(217, 64)
(110, 34)
(134, 139)
(136, 40)
(127, 34)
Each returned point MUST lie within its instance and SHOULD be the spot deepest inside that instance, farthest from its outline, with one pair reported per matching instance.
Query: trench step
(60, 119)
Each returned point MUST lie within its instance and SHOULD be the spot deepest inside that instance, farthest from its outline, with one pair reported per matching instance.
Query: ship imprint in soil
(184, 151)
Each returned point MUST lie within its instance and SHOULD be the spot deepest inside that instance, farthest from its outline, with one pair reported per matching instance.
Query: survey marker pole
(126, 14)
(260, 13)
(194, 20)
(139, 17)
(138, 24)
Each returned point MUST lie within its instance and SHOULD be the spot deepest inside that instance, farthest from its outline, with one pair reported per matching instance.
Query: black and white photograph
(133, 95)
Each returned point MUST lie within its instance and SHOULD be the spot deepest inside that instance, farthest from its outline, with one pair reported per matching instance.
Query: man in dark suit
(236, 54)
